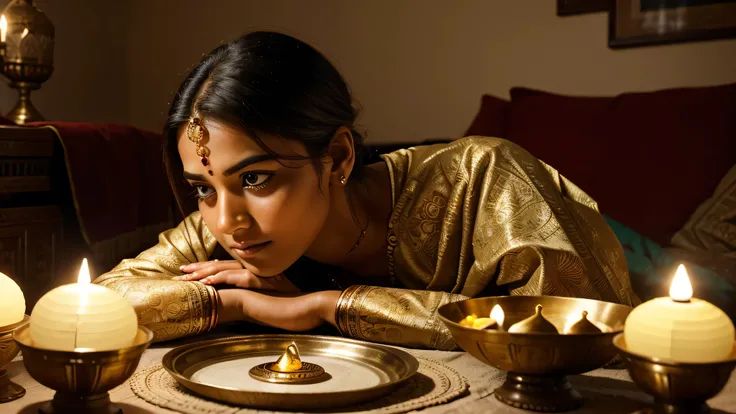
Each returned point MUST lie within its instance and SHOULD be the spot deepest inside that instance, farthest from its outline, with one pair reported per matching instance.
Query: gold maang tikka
(195, 133)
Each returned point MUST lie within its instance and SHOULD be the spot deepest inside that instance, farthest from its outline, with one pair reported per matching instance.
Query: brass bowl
(537, 363)
(9, 390)
(677, 387)
(81, 379)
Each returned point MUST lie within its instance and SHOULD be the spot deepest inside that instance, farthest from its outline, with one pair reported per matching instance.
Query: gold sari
(477, 217)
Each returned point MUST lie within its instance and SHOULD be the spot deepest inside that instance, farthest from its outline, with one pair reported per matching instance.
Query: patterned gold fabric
(476, 217)
(171, 309)
(481, 216)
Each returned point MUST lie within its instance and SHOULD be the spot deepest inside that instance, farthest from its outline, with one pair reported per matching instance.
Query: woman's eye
(255, 179)
(203, 192)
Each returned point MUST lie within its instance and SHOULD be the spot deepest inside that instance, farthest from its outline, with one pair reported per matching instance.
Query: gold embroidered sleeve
(395, 316)
(482, 217)
(170, 308)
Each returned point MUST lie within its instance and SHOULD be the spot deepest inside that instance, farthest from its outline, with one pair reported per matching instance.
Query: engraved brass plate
(352, 371)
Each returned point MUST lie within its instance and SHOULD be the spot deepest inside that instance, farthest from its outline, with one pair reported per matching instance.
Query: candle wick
(681, 300)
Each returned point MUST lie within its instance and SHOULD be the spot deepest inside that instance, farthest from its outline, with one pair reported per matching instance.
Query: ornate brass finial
(583, 326)
(290, 361)
(536, 323)
(289, 369)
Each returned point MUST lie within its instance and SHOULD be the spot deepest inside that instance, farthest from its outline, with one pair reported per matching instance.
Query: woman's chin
(266, 262)
(262, 269)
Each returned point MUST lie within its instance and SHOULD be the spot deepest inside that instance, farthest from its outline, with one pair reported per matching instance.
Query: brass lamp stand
(27, 55)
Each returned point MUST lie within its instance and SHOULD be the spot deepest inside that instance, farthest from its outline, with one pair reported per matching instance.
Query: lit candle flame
(24, 34)
(83, 280)
(3, 28)
(498, 315)
(680, 289)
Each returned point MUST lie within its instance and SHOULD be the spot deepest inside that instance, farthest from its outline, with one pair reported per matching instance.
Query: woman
(295, 232)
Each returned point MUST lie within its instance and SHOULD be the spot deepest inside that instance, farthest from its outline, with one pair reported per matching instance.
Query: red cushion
(7, 121)
(649, 159)
(491, 118)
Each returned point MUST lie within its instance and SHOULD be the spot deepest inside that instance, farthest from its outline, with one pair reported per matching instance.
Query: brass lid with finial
(290, 360)
(583, 326)
(536, 323)
(289, 368)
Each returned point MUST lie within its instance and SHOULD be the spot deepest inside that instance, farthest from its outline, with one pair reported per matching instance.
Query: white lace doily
(434, 383)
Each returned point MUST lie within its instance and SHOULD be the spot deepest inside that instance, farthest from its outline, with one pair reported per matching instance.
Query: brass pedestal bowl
(537, 363)
(81, 378)
(677, 387)
(9, 390)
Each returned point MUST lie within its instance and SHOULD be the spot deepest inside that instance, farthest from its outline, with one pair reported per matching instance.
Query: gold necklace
(360, 239)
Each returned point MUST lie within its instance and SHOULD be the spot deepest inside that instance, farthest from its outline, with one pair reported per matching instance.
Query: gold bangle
(214, 302)
(338, 313)
(342, 310)
(216, 308)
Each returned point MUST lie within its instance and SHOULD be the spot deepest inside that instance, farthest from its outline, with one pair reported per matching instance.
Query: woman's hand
(231, 272)
(297, 313)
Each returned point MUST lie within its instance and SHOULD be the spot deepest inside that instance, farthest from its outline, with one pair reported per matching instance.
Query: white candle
(12, 302)
(83, 315)
(680, 327)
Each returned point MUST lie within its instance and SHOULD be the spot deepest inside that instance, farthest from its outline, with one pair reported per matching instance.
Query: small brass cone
(584, 326)
(534, 324)
(290, 361)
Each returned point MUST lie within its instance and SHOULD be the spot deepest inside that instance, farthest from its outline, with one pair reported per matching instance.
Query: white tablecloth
(604, 390)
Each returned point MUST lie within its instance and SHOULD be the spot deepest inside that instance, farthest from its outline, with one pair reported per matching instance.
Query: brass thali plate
(356, 371)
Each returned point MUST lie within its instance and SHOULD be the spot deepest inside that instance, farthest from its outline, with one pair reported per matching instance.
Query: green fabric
(650, 267)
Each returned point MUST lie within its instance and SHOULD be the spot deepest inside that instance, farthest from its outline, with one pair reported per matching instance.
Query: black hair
(265, 82)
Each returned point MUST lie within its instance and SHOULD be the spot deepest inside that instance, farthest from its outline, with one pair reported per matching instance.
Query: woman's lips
(245, 251)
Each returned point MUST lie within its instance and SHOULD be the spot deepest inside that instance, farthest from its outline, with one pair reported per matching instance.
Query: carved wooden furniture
(31, 225)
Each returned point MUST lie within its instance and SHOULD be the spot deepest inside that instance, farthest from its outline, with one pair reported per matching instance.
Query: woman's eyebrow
(246, 162)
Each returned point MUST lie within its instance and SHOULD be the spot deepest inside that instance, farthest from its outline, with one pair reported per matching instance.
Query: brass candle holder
(289, 369)
(677, 387)
(9, 390)
(537, 362)
(28, 55)
(81, 378)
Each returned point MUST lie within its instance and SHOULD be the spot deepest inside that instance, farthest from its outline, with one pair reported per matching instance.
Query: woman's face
(265, 213)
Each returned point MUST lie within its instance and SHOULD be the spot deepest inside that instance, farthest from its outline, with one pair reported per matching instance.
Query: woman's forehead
(225, 142)
(222, 134)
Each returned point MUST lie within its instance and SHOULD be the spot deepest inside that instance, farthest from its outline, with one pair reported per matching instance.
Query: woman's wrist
(231, 308)
(230, 305)
(327, 304)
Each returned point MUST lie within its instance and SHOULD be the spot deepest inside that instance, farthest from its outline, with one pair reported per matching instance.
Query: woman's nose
(232, 214)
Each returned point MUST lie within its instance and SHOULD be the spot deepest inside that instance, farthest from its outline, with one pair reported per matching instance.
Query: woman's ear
(342, 152)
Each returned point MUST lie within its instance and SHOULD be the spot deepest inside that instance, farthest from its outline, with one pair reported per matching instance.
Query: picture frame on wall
(574, 7)
(635, 23)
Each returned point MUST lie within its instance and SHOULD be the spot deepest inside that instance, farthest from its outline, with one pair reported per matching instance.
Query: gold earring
(343, 180)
